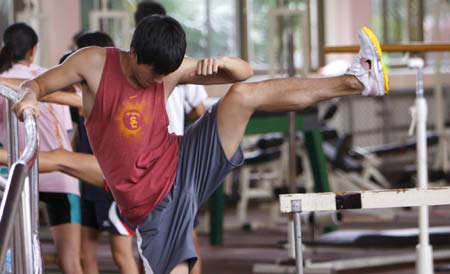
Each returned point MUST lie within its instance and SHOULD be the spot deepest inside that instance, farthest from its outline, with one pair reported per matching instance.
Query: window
(209, 24)
(401, 22)
(258, 14)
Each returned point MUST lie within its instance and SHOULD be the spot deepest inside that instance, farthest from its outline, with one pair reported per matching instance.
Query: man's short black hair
(159, 41)
(146, 8)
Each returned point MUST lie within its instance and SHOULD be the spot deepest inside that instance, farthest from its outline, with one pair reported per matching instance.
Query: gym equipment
(262, 167)
(390, 238)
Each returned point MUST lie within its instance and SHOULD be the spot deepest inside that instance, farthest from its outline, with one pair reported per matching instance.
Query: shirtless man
(159, 180)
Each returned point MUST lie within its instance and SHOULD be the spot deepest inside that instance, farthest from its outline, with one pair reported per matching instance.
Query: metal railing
(19, 213)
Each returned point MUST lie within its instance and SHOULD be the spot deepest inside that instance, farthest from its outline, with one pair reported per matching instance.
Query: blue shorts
(165, 237)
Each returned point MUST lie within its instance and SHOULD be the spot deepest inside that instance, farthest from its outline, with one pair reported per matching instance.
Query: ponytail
(6, 61)
(19, 39)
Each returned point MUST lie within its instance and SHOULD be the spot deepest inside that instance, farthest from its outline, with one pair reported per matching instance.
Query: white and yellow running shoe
(368, 66)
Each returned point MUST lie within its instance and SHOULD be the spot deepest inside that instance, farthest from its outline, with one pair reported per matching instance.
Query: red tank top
(127, 129)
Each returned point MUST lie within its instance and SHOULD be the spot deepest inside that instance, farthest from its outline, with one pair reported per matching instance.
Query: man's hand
(209, 66)
(27, 99)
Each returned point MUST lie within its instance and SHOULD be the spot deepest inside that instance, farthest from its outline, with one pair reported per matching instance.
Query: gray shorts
(165, 237)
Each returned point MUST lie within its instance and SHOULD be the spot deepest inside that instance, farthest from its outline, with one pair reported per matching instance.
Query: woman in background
(60, 192)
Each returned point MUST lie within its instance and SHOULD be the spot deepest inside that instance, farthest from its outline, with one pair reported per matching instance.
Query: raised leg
(366, 75)
(278, 95)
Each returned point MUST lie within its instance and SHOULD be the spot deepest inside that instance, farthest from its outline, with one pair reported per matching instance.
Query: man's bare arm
(62, 97)
(210, 71)
(80, 66)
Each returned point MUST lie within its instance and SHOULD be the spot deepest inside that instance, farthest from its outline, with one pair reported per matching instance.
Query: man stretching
(159, 180)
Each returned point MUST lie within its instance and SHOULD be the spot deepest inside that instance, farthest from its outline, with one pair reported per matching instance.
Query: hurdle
(373, 199)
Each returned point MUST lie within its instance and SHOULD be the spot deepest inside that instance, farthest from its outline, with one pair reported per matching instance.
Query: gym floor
(242, 249)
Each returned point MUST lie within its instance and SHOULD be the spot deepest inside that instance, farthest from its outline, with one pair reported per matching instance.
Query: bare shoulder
(90, 55)
(87, 63)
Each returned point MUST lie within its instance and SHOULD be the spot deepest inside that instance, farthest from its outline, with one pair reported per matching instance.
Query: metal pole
(384, 12)
(297, 209)
(18, 238)
(321, 31)
(292, 144)
(242, 13)
(19, 241)
(15, 204)
(306, 22)
(292, 124)
(37, 259)
(30, 208)
(13, 155)
(11, 132)
(9, 205)
(424, 249)
(27, 240)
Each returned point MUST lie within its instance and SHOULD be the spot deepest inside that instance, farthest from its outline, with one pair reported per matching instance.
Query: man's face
(144, 74)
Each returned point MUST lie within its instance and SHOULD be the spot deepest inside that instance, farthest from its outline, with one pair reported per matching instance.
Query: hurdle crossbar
(386, 198)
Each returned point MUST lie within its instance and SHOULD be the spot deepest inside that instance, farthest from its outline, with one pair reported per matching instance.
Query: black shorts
(62, 208)
(104, 216)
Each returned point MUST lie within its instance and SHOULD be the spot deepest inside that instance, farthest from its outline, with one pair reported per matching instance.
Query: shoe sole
(376, 50)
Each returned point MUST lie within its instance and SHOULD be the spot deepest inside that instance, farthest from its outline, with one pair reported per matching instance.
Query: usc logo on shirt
(132, 119)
